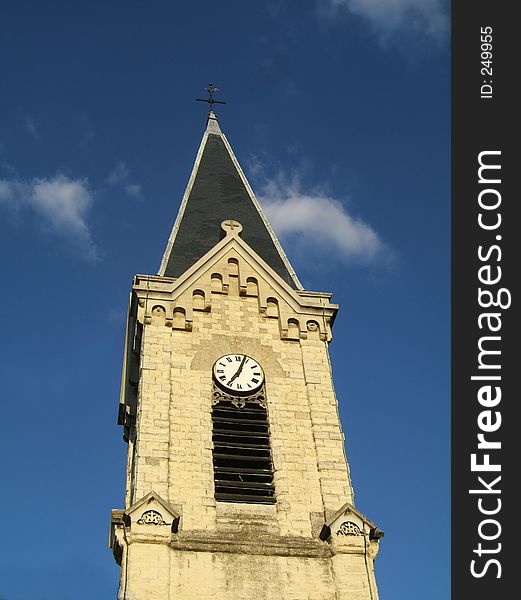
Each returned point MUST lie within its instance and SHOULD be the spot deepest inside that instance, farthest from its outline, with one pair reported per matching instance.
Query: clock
(238, 374)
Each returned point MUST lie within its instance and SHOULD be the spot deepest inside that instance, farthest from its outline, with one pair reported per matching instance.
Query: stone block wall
(228, 550)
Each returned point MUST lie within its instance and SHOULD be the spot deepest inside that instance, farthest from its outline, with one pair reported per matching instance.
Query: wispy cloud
(61, 203)
(30, 126)
(316, 221)
(11, 171)
(119, 176)
(389, 17)
(87, 131)
(134, 190)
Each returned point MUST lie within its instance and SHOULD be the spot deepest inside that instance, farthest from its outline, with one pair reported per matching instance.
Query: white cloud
(427, 17)
(61, 202)
(317, 221)
(119, 176)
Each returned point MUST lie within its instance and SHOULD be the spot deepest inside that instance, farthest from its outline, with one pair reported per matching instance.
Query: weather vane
(211, 89)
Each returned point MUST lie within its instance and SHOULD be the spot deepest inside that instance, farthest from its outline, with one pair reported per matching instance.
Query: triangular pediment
(251, 267)
(234, 244)
(349, 521)
(152, 509)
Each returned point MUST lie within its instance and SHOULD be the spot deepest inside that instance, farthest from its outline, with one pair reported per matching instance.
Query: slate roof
(218, 191)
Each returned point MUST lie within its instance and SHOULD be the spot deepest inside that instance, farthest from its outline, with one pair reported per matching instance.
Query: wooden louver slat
(243, 470)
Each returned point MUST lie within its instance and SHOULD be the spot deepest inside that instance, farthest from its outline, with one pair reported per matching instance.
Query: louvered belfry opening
(243, 470)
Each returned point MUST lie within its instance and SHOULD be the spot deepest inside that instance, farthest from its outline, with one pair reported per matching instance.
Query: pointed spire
(212, 125)
(218, 190)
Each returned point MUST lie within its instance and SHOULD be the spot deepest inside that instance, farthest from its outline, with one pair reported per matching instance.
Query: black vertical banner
(486, 267)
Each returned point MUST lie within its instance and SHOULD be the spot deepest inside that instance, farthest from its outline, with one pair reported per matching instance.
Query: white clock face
(238, 374)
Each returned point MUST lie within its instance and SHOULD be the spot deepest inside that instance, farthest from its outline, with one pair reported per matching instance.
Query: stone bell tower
(237, 482)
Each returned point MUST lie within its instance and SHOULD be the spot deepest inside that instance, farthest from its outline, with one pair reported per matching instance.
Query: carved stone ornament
(349, 528)
(151, 517)
(238, 401)
(231, 226)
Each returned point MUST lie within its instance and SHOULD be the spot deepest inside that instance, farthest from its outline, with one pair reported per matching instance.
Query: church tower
(237, 482)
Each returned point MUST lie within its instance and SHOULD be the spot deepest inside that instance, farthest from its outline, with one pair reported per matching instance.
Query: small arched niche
(293, 329)
(233, 267)
(198, 300)
(179, 320)
(252, 287)
(217, 282)
(272, 307)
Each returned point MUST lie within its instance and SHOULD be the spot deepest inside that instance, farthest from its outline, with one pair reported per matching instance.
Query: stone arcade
(237, 481)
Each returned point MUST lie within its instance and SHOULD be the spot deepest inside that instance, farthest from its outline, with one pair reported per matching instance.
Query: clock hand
(238, 370)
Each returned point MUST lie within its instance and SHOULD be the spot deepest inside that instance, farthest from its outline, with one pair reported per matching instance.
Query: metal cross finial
(211, 89)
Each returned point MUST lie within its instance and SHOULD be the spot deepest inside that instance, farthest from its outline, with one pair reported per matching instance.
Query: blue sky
(339, 112)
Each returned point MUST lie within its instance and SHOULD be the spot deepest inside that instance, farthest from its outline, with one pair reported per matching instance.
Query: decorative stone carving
(153, 510)
(312, 326)
(239, 401)
(349, 528)
(231, 226)
(158, 311)
(151, 517)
